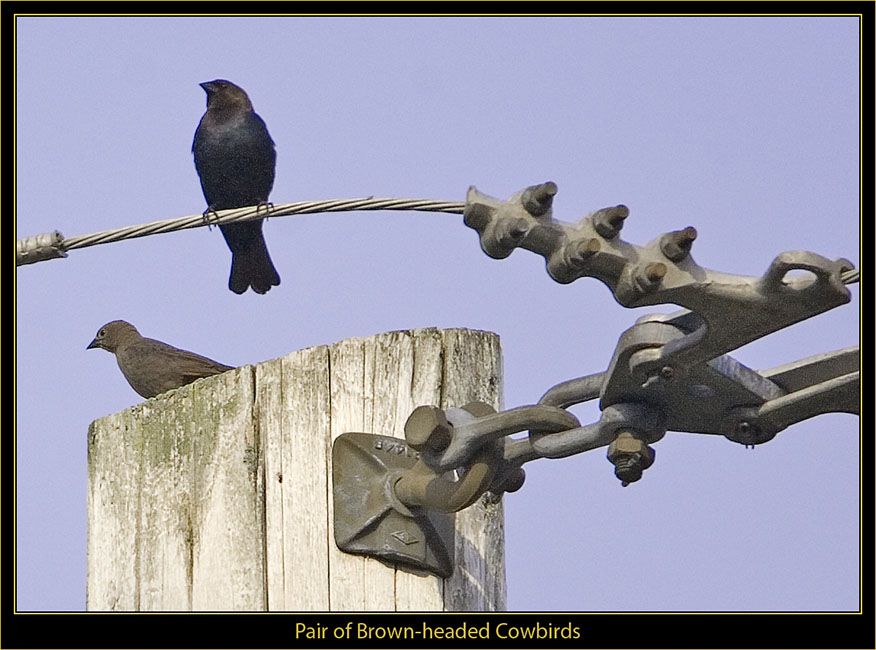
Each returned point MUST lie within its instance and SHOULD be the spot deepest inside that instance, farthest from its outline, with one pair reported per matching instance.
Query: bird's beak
(93, 344)
(207, 86)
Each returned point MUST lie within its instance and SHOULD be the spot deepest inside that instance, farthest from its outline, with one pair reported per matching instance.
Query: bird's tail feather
(253, 267)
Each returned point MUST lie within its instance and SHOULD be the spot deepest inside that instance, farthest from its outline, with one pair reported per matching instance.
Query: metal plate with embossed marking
(370, 520)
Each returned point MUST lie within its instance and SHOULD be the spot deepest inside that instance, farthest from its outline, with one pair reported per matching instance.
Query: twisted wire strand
(248, 213)
(54, 245)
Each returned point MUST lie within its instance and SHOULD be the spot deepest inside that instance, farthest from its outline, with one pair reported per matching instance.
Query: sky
(746, 128)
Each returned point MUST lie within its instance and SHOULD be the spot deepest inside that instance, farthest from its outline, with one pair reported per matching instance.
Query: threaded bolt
(511, 230)
(609, 221)
(628, 469)
(580, 251)
(537, 200)
(630, 457)
(676, 245)
(648, 278)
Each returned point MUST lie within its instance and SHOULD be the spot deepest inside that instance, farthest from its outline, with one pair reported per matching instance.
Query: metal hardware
(824, 383)
(668, 373)
(369, 518)
(630, 456)
(48, 246)
(393, 499)
(426, 484)
(662, 271)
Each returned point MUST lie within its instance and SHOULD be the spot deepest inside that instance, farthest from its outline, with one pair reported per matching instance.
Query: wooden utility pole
(217, 496)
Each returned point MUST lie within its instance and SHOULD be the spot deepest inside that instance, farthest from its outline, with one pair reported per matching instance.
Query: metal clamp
(824, 383)
(47, 246)
(733, 309)
(395, 500)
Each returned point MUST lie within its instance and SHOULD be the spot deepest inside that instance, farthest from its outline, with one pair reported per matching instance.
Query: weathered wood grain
(217, 496)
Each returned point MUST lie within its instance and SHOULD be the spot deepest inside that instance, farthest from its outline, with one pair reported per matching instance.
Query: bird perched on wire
(152, 367)
(235, 159)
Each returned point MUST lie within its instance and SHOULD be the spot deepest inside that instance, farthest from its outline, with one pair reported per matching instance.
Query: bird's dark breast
(235, 163)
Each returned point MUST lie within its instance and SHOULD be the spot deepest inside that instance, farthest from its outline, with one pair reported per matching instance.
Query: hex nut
(427, 428)
(627, 445)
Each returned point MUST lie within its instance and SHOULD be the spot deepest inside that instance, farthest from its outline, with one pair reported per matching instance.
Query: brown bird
(235, 159)
(152, 367)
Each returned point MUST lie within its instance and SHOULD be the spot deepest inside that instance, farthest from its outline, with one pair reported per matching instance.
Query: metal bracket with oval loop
(390, 503)
(370, 520)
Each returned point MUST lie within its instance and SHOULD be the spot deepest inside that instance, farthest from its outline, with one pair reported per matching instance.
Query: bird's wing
(187, 364)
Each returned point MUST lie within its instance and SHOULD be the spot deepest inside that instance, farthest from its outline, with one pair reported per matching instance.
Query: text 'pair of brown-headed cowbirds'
(235, 159)
(152, 367)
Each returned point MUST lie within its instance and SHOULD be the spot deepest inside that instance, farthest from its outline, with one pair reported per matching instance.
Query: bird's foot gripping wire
(267, 205)
(210, 217)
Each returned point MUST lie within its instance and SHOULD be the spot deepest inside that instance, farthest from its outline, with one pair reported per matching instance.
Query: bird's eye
(101, 333)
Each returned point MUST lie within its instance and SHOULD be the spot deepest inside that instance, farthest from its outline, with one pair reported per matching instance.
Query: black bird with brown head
(235, 159)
